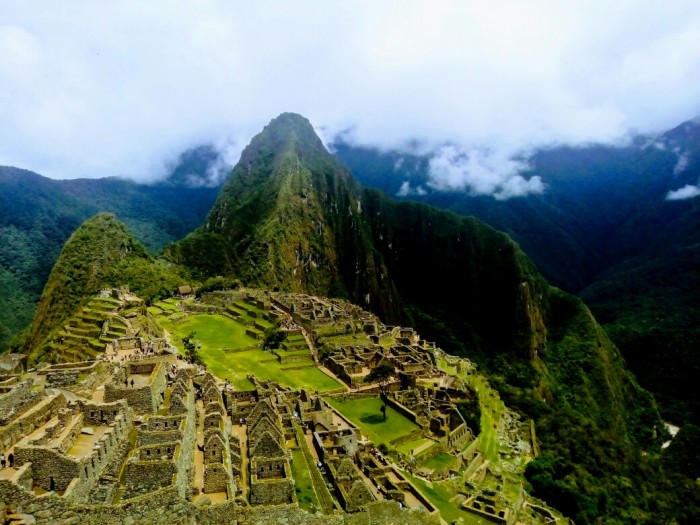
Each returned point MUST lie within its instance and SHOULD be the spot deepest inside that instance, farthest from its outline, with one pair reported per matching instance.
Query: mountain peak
(289, 133)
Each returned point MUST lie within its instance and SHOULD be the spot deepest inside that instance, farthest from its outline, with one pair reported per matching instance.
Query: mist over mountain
(609, 225)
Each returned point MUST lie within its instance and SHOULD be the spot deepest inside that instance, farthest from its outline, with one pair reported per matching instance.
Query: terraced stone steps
(82, 336)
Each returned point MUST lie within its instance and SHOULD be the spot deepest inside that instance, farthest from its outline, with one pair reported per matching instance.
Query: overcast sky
(91, 89)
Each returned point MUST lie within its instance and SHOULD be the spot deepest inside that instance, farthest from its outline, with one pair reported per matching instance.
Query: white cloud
(116, 88)
(686, 192)
(681, 164)
(481, 172)
(406, 190)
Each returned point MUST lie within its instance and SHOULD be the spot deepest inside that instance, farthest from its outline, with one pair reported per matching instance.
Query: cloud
(686, 192)
(481, 172)
(117, 88)
(406, 190)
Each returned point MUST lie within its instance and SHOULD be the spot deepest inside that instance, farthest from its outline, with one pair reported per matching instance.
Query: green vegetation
(321, 491)
(303, 484)
(40, 214)
(366, 413)
(191, 348)
(441, 495)
(99, 254)
(217, 332)
(214, 332)
(439, 462)
(381, 374)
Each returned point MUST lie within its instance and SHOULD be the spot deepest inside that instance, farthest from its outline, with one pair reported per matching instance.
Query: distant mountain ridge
(38, 214)
(605, 230)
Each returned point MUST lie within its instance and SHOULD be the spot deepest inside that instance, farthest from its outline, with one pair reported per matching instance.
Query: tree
(273, 337)
(381, 374)
(191, 348)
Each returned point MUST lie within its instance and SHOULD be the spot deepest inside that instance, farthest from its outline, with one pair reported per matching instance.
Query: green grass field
(306, 495)
(366, 414)
(441, 496)
(406, 448)
(213, 331)
(216, 332)
(439, 462)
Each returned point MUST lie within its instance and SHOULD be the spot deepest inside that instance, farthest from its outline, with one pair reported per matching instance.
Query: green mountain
(99, 254)
(38, 214)
(604, 230)
(292, 218)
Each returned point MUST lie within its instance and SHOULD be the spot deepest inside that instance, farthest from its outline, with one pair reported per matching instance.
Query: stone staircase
(11, 517)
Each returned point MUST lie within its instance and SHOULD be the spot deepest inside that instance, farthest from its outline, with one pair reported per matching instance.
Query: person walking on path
(2, 460)
(11, 460)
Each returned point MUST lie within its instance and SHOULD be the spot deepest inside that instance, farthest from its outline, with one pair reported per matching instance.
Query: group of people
(7, 462)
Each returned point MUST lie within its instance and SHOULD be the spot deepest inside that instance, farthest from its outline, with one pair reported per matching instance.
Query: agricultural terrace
(222, 339)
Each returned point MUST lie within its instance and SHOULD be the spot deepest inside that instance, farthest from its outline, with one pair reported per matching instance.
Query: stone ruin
(161, 441)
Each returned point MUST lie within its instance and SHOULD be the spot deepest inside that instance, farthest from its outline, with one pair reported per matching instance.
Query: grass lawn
(440, 496)
(306, 495)
(366, 414)
(213, 331)
(406, 448)
(216, 332)
(168, 305)
(439, 462)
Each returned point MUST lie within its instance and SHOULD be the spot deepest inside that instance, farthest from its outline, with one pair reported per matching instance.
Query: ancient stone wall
(159, 423)
(127, 343)
(147, 476)
(28, 423)
(62, 378)
(19, 399)
(216, 478)
(165, 507)
(271, 491)
(51, 470)
(102, 413)
(144, 400)
(155, 438)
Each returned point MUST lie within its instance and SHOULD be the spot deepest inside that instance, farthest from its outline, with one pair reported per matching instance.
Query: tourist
(132, 383)
(2, 460)
(11, 459)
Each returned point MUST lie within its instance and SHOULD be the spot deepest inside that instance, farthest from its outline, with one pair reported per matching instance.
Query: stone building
(141, 383)
(271, 479)
(69, 452)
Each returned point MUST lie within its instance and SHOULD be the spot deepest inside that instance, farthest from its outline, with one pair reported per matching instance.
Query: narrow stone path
(240, 432)
(199, 442)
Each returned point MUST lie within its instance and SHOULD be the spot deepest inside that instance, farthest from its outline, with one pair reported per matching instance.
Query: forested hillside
(38, 214)
(603, 229)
